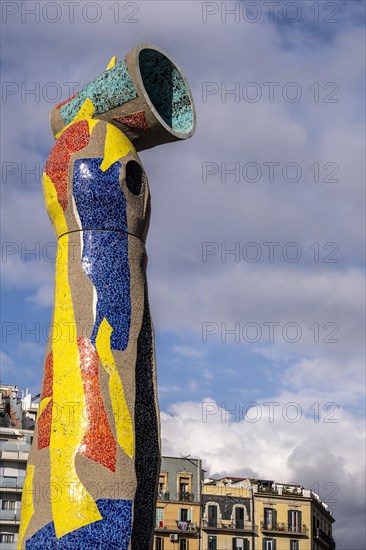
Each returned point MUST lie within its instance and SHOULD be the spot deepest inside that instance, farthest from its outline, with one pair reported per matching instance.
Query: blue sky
(293, 133)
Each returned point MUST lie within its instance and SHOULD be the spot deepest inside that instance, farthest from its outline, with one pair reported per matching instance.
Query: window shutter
(180, 514)
(246, 544)
(234, 543)
(189, 515)
(264, 544)
(274, 517)
(274, 544)
(300, 522)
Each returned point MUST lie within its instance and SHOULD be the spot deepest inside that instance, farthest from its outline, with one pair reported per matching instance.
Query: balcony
(7, 422)
(178, 526)
(9, 516)
(16, 456)
(185, 496)
(284, 491)
(229, 525)
(11, 483)
(186, 526)
(326, 540)
(181, 496)
(285, 528)
(14, 451)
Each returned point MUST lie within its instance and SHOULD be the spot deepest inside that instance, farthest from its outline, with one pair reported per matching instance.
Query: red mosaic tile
(136, 120)
(66, 101)
(98, 443)
(45, 419)
(57, 166)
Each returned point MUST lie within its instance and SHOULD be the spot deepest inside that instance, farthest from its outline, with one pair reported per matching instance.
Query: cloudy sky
(256, 240)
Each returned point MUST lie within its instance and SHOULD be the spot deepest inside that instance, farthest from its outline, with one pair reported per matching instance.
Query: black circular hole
(134, 177)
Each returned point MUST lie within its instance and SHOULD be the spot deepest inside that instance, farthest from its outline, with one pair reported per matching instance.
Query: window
(212, 515)
(184, 488)
(270, 518)
(9, 505)
(6, 537)
(159, 543)
(159, 517)
(163, 486)
(240, 544)
(294, 521)
(184, 514)
(294, 545)
(183, 544)
(212, 543)
(269, 544)
(184, 484)
(239, 517)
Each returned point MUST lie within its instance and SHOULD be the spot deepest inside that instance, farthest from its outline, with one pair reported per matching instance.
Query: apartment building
(290, 517)
(17, 421)
(239, 514)
(227, 514)
(178, 511)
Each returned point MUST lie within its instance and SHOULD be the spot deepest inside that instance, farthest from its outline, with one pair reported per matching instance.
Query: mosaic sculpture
(93, 470)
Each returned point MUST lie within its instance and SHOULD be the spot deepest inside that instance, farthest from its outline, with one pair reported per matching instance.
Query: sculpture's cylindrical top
(145, 95)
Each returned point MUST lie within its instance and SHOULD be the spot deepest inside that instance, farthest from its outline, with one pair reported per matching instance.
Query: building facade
(237, 513)
(178, 511)
(17, 420)
(227, 515)
(290, 517)
(321, 525)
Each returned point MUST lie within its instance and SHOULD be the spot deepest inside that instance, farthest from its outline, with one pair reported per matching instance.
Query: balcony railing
(186, 526)
(15, 447)
(13, 455)
(185, 496)
(284, 528)
(322, 535)
(10, 515)
(11, 482)
(180, 496)
(286, 490)
(21, 423)
(7, 422)
(177, 526)
(230, 525)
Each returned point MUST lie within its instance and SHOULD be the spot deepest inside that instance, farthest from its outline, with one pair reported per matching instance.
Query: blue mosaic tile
(101, 205)
(107, 91)
(112, 532)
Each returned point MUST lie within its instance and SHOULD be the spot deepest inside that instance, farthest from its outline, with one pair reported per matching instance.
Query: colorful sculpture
(93, 470)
